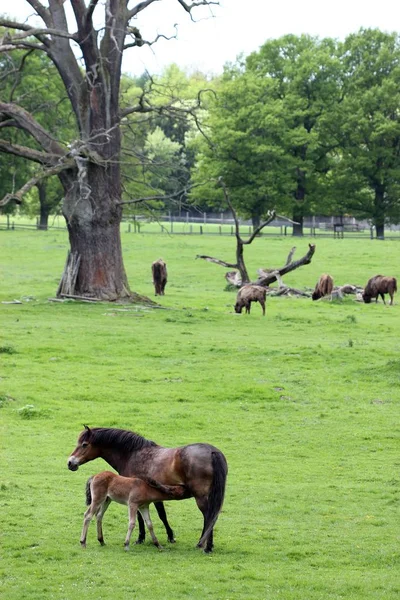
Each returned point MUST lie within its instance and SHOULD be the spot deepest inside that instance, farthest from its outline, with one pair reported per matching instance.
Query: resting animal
(324, 287)
(378, 286)
(248, 294)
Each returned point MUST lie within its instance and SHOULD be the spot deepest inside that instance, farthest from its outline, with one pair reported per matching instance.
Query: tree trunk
(93, 221)
(240, 262)
(379, 216)
(298, 221)
(44, 218)
(44, 209)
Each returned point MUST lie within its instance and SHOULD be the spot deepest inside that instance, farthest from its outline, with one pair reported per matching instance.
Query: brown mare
(201, 468)
(136, 493)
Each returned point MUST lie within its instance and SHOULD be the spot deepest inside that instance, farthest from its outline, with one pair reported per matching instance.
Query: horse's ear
(88, 428)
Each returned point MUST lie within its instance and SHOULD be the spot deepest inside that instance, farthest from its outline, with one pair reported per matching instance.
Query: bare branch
(271, 217)
(271, 277)
(17, 196)
(188, 7)
(139, 7)
(41, 10)
(31, 126)
(29, 153)
(217, 261)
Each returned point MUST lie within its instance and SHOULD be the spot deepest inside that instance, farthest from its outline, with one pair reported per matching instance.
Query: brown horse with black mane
(201, 468)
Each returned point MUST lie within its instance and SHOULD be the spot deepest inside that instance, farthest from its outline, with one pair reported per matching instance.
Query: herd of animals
(379, 285)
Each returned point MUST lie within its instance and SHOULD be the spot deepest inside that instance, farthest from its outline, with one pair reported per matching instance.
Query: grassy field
(303, 402)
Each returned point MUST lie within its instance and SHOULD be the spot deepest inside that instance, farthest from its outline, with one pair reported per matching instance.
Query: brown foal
(136, 493)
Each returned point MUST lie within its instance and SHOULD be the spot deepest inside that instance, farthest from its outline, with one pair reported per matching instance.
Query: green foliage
(309, 425)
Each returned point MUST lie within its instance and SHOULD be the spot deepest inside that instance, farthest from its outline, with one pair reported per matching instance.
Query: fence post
(201, 229)
(187, 217)
(371, 229)
(138, 226)
(231, 229)
(285, 229)
(220, 230)
(134, 224)
(12, 225)
(129, 228)
(191, 228)
(8, 221)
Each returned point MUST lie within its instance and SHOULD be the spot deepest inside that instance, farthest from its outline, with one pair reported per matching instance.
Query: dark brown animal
(323, 288)
(201, 468)
(248, 294)
(159, 271)
(136, 493)
(378, 286)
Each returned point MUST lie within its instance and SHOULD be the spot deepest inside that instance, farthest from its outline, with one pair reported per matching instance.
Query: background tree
(366, 126)
(88, 164)
(267, 133)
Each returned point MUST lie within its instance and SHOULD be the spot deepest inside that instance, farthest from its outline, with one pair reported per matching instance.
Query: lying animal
(159, 271)
(137, 493)
(248, 294)
(323, 288)
(378, 286)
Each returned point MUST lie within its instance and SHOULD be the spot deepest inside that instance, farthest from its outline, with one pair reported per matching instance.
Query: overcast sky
(238, 26)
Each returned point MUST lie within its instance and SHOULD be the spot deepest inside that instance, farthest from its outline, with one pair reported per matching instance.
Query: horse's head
(84, 451)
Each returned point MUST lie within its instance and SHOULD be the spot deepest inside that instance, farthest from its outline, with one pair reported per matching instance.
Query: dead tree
(267, 276)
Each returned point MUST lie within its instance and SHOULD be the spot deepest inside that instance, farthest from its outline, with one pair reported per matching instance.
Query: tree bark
(93, 222)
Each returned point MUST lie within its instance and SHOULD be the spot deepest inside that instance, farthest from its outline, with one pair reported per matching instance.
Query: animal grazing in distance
(323, 288)
(248, 294)
(378, 286)
(159, 271)
(136, 493)
(200, 467)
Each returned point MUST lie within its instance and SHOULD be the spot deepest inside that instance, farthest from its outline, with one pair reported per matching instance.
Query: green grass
(304, 403)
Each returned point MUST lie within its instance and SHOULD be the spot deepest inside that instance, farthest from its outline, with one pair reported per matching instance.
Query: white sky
(238, 26)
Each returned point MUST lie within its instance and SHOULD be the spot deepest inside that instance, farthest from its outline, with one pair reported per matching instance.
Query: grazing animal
(323, 288)
(248, 294)
(159, 271)
(136, 493)
(378, 286)
(201, 468)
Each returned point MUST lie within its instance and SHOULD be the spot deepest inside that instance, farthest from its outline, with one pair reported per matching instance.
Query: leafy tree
(88, 161)
(266, 130)
(366, 126)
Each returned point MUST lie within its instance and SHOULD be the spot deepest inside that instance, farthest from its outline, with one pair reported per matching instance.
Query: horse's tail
(88, 492)
(395, 284)
(174, 491)
(216, 494)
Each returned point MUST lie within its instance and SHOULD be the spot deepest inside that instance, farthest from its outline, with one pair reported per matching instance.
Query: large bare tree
(89, 61)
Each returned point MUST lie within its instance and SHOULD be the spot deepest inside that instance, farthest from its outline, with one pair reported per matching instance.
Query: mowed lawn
(304, 402)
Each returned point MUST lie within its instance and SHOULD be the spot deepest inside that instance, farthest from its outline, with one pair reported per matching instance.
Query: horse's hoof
(208, 550)
(83, 544)
(139, 541)
(126, 548)
(172, 540)
(160, 548)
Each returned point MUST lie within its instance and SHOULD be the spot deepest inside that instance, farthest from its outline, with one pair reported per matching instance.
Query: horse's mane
(122, 439)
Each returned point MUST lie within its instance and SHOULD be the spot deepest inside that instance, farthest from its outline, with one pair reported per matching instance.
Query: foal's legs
(89, 514)
(99, 517)
(132, 507)
(144, 510)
